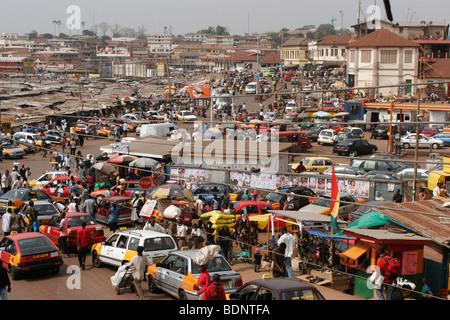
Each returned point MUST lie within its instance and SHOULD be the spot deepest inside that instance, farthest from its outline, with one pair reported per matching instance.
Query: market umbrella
(143, 163)
(129, 99)
(339, 84)
(105, 167)
(256, 121)
(172, 192)
(122, 159)
(303, 115)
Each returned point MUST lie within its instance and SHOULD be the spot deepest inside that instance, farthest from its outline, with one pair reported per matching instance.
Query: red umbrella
(122, 159)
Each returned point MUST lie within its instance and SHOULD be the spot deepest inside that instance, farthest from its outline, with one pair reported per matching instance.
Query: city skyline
(183, 17)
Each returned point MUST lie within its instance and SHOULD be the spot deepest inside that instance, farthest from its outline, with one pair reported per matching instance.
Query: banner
(161, 69)
(200, 92)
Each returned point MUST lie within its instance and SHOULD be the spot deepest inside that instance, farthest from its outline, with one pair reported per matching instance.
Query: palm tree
(54, 22)
(59, 26)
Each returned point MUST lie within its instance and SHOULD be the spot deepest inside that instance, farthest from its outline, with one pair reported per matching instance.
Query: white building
(382, 58)
(160, 43)
(330, 50)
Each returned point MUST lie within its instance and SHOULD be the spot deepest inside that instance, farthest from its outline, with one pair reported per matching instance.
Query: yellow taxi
(318, 164)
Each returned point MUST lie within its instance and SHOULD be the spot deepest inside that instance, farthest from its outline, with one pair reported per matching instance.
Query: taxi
(46, 177)
(51, 228)
(29, 252)
(104, 208)
(51, 187)
(21, 195)
(128, 185)
(121, 246)
(252, 208)
(44, 211)
(319, 164)
(178, 275)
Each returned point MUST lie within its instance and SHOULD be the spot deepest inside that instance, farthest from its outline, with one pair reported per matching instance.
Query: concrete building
(383, 58)
(160, 44)
(294, 52)
(330, 50)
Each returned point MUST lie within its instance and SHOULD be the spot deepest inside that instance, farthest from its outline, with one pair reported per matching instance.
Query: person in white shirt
(6, 223)
(196, 236)
(437, 190)
(289, 240)
(139, 263)
(181, 233)
(153, 226)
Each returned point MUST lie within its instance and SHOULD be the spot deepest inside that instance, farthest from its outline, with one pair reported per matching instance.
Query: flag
(334, 207)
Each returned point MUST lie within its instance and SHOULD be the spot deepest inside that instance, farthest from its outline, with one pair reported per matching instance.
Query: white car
(250, 88)
(290, 106)
(409, 141)
(46, 177)
(121, 246)
(408, 173)
(270, 116)
(133, 117)
(186, 116)
(327, 136)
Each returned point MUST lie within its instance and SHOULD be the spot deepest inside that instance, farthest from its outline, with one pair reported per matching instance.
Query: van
(32, 139)
(250, 88)
(157, 129)
(326, 136)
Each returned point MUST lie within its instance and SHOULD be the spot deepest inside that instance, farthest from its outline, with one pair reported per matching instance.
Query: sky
(184, 16)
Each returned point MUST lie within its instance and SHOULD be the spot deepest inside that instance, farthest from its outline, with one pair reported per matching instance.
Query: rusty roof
(382, 38)
(428, 217)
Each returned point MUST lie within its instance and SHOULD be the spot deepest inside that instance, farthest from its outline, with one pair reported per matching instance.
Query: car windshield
(158, 243)
(306, 294)
(45, 209)
(274, 197)
(77, 220)
(35, 245)
(13, 194)
(324, 202)
(218, 264)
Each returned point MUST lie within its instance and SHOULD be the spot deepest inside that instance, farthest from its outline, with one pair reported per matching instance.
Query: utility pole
(416, 154)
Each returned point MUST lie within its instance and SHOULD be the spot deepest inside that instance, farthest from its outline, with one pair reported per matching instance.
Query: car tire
(152, 285)
(435, 146)
(96, 260)
(15, 275)
(99, 198)
(182, 295)
(406, 146)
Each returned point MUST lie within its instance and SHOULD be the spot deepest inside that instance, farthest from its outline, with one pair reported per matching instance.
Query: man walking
(63, 234)
(215, 291)
(289, 240)
(83, 236)
(279, 264)
(139, 263)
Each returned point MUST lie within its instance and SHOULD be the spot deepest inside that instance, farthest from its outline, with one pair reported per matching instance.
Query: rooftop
(382, 38)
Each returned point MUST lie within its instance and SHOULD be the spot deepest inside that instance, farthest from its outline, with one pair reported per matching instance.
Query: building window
(366, 56)
(352, 56)
(408, 56)
(343, 52)
(388, 56)
(326, 52)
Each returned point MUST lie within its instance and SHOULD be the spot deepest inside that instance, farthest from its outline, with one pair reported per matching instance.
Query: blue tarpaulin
(327, 235)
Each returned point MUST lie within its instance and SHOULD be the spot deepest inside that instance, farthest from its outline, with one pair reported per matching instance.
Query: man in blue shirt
(113, 217)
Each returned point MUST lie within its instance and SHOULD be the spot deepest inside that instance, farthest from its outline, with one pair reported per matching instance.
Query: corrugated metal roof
(423, 216)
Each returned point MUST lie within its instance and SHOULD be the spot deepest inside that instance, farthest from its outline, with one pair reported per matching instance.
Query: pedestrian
(225, 241)
(6, 222)
(257, 260)
(89, 206)
(139, 263)
(30, 213)
(215, 202)
(137, 205)
(423, 194)
(5, 283)
(181, 233)
(81, 139)
(203, 281)
(125, 129)
(255, 196)
(6, 182)
(224, 200)
(153, 226)
(73, 205)
(397, 198)
(113, 217)
(289, 240)
(64, 226)
(279, 264)
(378, 279)
(83, 237)
(63, 142)
(15, 177)
(90, 179)
(245, 196)
(197, 236)
(300, 168)
(215, 290)
(198, 206)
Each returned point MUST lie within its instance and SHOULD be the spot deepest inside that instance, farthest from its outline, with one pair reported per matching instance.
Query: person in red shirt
(203, 281)
(215, 290)
(83, 236)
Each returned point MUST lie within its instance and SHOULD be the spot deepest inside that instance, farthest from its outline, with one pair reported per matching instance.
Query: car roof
(117, 198)
(143, 233)
(191, 253)
(254, 203)
(282, 284)
(25, 235)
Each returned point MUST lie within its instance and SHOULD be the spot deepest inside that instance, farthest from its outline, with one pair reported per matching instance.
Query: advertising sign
(199, 92)
(113, 52)
(160, 69)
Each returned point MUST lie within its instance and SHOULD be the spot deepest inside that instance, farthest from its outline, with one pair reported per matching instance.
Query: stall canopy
(371, 219)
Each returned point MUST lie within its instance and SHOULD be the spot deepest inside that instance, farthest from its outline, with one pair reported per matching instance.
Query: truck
(157, 129)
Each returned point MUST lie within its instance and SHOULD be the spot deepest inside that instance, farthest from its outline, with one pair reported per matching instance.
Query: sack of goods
(219, 220)
(172, 212)
(206, 254)
(115, 279)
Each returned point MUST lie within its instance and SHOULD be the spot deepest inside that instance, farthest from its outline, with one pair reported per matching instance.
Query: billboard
(160, 69)
(113, 52)
(200, 92)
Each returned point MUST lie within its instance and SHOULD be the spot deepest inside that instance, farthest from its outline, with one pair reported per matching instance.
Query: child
(257, 261)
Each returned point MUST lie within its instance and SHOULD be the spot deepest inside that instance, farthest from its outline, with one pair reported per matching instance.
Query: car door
(102, 211)
(51, 229)
(176, 275)
(162, 273)
(7, 248)
(119, 250)
(346, 207)
(106, 253)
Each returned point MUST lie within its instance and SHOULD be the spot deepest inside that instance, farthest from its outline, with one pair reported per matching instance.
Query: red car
(29, 252)
(334, 126)
(129, 186)
(257, 208)
(51, 188)
(429, 131)
(104, 209)
(186, 213)
(300, 139)
(51, 229)
(288, 76)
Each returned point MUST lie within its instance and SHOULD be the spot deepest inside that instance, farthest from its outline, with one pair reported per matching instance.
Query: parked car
(47, 177)
(178, 275)
(381, 131)
(270, 116)
(51, 228)
(444, 136)
(208, 190)
(54, 136)
(354, 147)
(313, 132)
(366, 208)
(44, 210)
(29, 252)
(133, 117)
(381, 175)
(276, 289)
(121, 246)
(290, 106)
(51, 187)
(408, 173)
(186, 116)
(31, 139)
(274, 198)
(345, 171)
(393, 158)
(295, 80)
(104, 208)
(344, 135)
(12, 151)
(322, 205)
(333, 126)
(409, 141)
(21, 195)
(128, 185)
(429, 131)
(319, 164)
(354, 130)
(375, 164)
(327, 136)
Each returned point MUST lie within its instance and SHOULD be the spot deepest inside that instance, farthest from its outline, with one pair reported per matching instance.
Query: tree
(325, 30)
(47, 36)
(104, 28)
(88, 33)
(221, 31)
(116, 30)
(141, 32)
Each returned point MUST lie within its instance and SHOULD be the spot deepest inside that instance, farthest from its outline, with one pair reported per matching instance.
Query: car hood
(14, 149)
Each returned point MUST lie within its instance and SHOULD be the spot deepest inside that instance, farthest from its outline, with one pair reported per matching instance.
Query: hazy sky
(184, 16)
